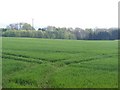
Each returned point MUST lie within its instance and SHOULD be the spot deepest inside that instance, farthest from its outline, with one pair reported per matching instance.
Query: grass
(47, 63)
(0, 63)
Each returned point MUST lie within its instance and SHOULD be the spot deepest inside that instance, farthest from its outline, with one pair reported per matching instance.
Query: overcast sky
(60, 13)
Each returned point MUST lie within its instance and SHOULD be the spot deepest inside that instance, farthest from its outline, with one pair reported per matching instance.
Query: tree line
(53, 32)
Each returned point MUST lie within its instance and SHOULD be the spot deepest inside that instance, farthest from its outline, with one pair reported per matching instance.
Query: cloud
(70, 13)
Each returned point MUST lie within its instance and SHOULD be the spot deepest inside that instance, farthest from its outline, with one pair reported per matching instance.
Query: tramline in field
(48, 63)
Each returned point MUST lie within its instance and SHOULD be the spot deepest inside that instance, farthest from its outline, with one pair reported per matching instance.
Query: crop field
(52, 63)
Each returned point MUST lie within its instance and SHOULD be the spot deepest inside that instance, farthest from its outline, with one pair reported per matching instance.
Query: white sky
(60, 13)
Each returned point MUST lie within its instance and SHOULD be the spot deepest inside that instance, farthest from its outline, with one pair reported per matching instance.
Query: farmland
(53, 63)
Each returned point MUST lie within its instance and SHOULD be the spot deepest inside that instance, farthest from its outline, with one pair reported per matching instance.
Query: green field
(47, 63)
